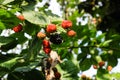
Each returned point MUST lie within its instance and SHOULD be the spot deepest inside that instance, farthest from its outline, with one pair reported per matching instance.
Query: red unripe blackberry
(46, 43)
(57, 75)
(51, 28)
(17, 28)
(66, 24)
(47, 50)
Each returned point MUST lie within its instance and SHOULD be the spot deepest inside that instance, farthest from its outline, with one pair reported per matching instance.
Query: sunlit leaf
(6, 1)
(10, 63)
(6, 19)
(60, 29)
(36, 17)
(105, 43)
(53, 17)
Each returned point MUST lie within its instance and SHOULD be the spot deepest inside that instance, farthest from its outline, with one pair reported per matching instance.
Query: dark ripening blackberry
(56, 39)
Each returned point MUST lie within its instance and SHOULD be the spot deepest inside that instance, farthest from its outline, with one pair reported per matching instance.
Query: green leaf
(85, 40)
(31, 29)
(112, 60)
(23, 69)
(93, 32)
(15, 76)
(81, 55)
(64, 53)
(20, 37)
(53, 17)
(103, 74)
(6, 19)
(10, 63)
(7, 43)
(36, 17)
(69, 69)
(105, 43)
(34, 47)
(116, 53)
(75, 43)
(115, 37)
(6, 1)
(30, 75)
(104, 56)
(2, 26)
(85, 64)
(27, 68)
(100, 37)
(61, 30)
(5, 40)
(116, 76)
(3, 71)
(76, 50)
(85, 50)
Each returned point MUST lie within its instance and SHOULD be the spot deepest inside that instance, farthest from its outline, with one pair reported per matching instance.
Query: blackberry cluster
(56, 39)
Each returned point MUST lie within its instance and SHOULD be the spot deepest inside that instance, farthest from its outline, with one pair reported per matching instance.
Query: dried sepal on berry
(71, 33)
(95, 66)
(41, 35)
(101, 63)
(21, 17)
(109, 68)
